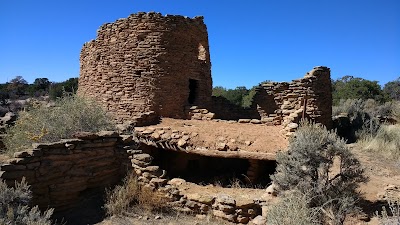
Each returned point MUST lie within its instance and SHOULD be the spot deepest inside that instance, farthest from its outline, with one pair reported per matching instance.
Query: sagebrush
(319, 164)
(47, 124)
(14, 207)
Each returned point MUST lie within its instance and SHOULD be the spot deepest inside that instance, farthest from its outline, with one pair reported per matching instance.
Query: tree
(349, 87)
(56, 90)
(39, 87)
(17, 87)
(309, 166)
(392, 89)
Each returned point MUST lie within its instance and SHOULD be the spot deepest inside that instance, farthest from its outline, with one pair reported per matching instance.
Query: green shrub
(292, 209)
(14, 207)
(43, 124)
(319, 164)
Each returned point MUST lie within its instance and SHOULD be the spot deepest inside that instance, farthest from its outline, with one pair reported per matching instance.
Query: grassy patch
(386, 142)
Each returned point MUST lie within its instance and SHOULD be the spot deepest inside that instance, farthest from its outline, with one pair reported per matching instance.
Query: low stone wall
(59, 172)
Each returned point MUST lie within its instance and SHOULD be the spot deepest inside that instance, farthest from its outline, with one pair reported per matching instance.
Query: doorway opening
(193, 89)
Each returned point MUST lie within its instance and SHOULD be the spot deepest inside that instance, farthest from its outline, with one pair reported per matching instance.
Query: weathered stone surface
(143, 157)
(205, 199)
(258, 220)
(225, 200)
(176, 181)
(221, 214)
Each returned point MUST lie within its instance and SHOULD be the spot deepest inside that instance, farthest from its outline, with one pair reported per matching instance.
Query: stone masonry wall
(148, 62)
(284, 103)
(59, 172)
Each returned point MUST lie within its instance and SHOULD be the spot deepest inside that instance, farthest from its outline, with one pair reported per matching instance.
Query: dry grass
(131, 197)
(386, 142)
(292, 209)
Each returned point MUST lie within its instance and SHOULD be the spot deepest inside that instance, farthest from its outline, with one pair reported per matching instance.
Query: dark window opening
(138, 73)
(193, 86)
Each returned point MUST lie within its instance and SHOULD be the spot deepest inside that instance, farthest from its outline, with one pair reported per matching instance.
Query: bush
(386, 142)
(130, 196)
(292, 209)
(319, 164)
(43, 124)
(14, 207)
(361, 118)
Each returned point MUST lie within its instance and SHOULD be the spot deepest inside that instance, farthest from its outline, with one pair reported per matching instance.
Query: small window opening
(138, 73)
(202, 53)
(193, 86)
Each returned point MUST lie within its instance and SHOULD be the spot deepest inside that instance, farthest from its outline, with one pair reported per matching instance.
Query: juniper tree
(319, 164)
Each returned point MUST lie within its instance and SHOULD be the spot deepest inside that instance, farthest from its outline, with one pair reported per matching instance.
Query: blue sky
(250, 41)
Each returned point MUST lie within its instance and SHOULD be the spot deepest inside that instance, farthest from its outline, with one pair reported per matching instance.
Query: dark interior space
(205, 170)
(193, 86)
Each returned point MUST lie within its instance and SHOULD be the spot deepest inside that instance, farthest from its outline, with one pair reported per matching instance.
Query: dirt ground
(245, 136)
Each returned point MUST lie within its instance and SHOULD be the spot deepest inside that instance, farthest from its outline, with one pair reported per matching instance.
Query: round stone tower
(148, 63)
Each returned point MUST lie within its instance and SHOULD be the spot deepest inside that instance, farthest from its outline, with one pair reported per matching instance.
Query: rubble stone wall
(148, 62)
(59, 172)
(284, 103)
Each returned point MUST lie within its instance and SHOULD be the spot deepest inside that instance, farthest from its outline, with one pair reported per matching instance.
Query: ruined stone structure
(60, 173)
(287, 102)
(148, 65)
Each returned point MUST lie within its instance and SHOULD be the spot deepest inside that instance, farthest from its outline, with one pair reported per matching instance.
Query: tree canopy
(349, 87)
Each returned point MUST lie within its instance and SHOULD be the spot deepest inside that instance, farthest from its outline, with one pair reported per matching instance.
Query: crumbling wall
(148, 63)
(59, 172)
(287, 102)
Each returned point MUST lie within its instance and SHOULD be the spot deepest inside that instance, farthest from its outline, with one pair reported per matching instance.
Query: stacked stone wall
(147, 62)
(287, 102)
(59, 172)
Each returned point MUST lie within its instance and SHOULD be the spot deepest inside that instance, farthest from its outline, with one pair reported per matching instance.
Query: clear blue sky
(250, 41)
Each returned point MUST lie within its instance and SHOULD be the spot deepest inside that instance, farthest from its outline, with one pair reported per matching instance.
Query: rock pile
(148, 175)
(200, 114)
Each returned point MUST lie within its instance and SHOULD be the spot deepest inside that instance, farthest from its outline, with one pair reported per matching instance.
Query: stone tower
(148, 64)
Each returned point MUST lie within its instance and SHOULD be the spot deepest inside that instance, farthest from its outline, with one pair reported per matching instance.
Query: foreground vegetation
(307, 170)
(14, 209)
